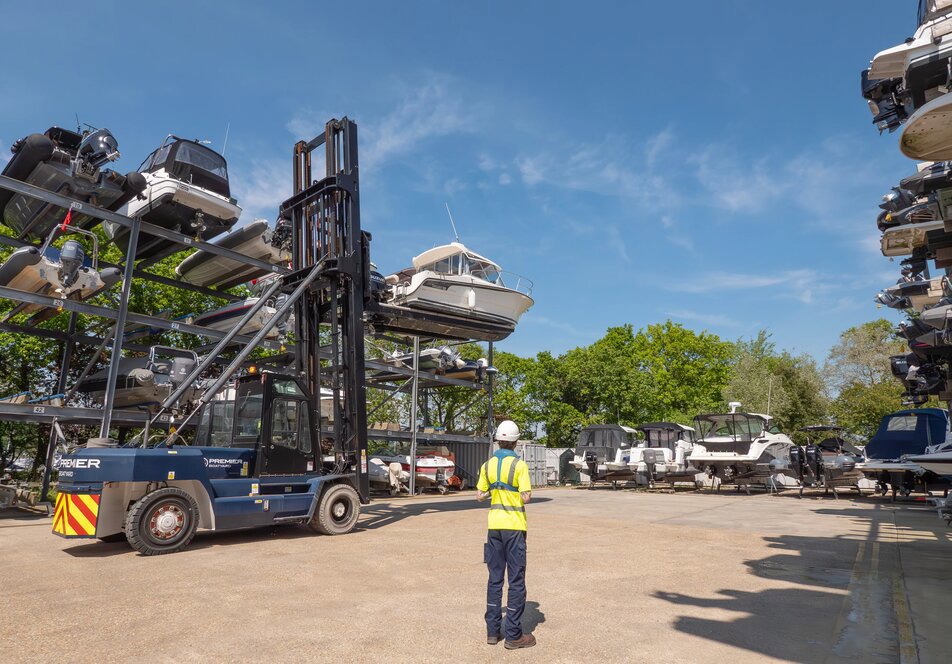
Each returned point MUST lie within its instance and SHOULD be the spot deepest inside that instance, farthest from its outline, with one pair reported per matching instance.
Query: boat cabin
(732, 432)
(191, 162)
(603, 440)
(455, 259)
(829, 439)
(665, 434)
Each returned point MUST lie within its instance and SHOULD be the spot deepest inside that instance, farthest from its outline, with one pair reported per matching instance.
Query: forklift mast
(328, 318)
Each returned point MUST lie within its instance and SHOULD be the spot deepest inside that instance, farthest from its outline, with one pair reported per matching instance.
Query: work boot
(493, 639)
(524, 641)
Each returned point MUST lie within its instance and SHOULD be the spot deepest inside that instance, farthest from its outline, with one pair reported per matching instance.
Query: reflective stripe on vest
(507, 508)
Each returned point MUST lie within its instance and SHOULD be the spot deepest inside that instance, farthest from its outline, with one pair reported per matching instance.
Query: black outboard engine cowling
(814, 460)
(72, 257)
(98, 148)
(797, 461)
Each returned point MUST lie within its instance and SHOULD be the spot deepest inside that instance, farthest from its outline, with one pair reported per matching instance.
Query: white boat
(927, 134)
(386, 476)
(432, 470)
(66, 273)
(256, 240)
(904, 240)
(187, 190)
(663, 454)
(934, 30)
(68, 163)
(742, 449)
(602, 452)
(903, 436)
(226, 317)
(453, 280)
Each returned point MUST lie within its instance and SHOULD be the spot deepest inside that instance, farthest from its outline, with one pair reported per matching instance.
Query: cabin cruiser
(663, 454)
(901, 436)
(226, 317)
(451, 279)
(187, 190)
(65, 272)
(827, 460)
(144, 382)
(602, 453)
(741, 448)
(71, 164)
(256, 240)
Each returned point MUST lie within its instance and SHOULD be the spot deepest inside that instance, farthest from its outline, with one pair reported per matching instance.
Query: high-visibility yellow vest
(506, 477)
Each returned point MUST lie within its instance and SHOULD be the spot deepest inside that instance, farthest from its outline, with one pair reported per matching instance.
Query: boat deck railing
(515, 282)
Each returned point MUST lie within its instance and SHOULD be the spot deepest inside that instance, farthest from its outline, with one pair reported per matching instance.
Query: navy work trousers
(505, 550)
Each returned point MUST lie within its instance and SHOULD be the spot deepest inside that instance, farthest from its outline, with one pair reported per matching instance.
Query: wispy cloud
(714, 320)
(733, 187)
(799, 284)
(266, 184)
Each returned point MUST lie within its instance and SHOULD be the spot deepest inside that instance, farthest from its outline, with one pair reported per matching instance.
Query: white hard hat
(507, 432)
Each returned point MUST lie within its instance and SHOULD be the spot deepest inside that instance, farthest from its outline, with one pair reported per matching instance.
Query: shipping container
(557, 467)
(534, 456)
(468, 458)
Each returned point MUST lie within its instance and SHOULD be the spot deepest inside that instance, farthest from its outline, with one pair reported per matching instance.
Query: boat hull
(206, 269)
(467, 298)
(927, 134)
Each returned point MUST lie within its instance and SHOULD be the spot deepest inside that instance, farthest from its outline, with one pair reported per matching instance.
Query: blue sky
(713, 164)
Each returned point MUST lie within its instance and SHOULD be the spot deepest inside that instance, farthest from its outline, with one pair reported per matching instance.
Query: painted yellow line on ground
(908, 652)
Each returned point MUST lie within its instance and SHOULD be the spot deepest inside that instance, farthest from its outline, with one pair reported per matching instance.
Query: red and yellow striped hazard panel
(76, 514)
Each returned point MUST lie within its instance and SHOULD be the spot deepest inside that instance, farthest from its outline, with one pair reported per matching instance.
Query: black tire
(338, 511)
(163, 521)
(115, 537)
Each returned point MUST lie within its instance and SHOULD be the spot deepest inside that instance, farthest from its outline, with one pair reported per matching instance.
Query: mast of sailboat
(452, 223)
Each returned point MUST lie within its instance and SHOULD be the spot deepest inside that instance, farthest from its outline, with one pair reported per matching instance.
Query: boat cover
(908, 432)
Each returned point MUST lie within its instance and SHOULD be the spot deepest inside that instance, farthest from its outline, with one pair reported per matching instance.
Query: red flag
(69, 217)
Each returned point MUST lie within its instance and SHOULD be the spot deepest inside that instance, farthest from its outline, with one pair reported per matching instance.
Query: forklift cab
(273, 416)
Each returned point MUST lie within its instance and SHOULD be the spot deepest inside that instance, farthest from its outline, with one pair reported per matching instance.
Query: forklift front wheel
(163, 521)
(338, 510)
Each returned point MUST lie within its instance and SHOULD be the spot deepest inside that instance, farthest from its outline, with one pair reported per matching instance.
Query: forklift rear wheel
(338, 510)
(163, 521)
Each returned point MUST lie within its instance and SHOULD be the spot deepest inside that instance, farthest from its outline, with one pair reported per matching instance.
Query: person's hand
(480, 496)
(526, 496)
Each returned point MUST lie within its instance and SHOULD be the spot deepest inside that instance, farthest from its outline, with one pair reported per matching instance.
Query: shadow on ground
(851, 604)
(380, 515)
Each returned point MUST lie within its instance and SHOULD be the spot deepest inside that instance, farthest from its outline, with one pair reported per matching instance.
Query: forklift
(275, 464)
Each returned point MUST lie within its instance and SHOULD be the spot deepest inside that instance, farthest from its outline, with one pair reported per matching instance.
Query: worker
(505, 479)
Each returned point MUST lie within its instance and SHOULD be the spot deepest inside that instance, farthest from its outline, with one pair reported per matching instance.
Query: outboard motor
(814, 459)
(179, 370)
(650, 458)
(282, 237)
(378, 284)
(797, 461)
(72, 256)
(591, 460)
(98, 148)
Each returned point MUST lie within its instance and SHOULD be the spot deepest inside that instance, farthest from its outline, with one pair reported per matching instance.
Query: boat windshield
(483, 270)
(737, 426)
(931, 9)
(201, 157)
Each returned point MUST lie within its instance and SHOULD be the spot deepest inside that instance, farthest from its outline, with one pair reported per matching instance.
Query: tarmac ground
(612, 576)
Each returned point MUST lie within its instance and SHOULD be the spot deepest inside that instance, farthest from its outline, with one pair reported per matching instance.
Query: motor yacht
(900, 437)
(451, 279)
(663, 454)
(603, 451)
(256, 240)
(186, 190)
(742, 449)
(69, 163)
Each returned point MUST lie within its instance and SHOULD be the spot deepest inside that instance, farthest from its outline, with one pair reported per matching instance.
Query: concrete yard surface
(612, 576)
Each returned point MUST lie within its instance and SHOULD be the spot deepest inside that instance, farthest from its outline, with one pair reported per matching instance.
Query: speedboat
(902, 436)
(226, 317)
(433, 471)
(390, 477)
(66, 272)
(451, 279)
(915, 294)
(187, 191)
(256, 240)
(663, 454)
(602, 453)
(143, 382)
(827, 461)
(67, 163)
(927, 134)
(431, 359)
(743, 449)
(905, 239)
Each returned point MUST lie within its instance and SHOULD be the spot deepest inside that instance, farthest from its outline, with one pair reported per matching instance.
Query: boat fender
(18, 260)
(28, 153)
(110, 276)
(471, 298)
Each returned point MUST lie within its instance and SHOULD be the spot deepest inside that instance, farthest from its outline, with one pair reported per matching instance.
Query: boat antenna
(452, 223)
(224, 145)
(78, 125)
